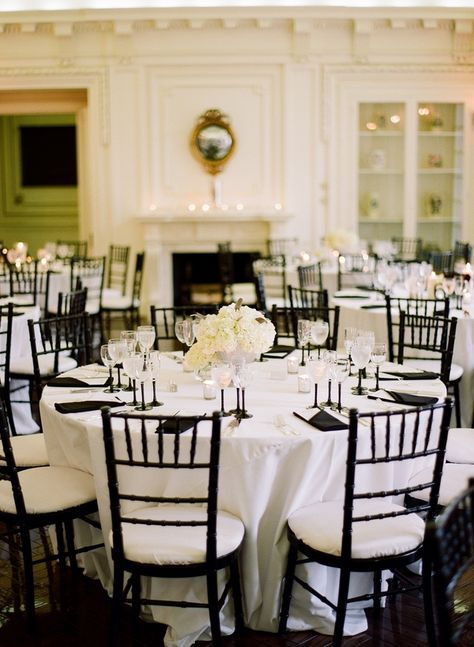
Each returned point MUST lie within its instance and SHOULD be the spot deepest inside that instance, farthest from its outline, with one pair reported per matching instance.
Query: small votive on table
(209, 389)
(304, 383)
(173, 387)
(292, 364)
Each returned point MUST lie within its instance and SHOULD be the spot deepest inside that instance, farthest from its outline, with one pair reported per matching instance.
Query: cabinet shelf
(439, 171)
(382, 171)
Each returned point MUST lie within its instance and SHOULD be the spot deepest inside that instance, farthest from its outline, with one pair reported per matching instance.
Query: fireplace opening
(199, 277)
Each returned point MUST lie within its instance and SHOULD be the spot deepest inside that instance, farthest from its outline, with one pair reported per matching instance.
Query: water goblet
(349, 336)
(223, 376)
(118, 350)
(130, 338)
(319, 333)
(129, 367)
(145, 337)
(329, 357)
(361, 351)
(342, 369)
(369, 335)
(109, 362)
(155, 360)
(317, 369)
(303, 334)
(237, 368)
(142, 367)
(378, 357)
(244, 377)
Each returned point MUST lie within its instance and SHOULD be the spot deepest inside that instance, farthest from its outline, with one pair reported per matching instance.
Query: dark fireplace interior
(201, 277)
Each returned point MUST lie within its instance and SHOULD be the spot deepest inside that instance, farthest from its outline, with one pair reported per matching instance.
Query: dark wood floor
(73, 611)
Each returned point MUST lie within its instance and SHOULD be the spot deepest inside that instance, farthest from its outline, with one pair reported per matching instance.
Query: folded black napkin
(406, 398)
(173, 426)
(87, 405)
(372, 306)
(415, 375)
(68, 382)
(279, 351)
(352, 296)
(322, 421)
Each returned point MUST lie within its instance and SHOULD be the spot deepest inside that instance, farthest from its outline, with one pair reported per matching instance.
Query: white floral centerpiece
(236, 330)
(342, 240)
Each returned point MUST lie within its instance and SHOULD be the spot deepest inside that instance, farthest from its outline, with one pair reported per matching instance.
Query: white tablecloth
(352, 314)
(265, 475)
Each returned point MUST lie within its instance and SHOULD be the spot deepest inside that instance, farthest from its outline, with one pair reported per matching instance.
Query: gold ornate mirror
(213, 141)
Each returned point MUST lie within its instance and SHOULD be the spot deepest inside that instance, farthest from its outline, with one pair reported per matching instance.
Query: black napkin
(352, 296)
(323, 421)
(372, 306)
(172, 426)
(406, 398)
(407, 375)
(68, 382)
(279, 351)
(87, 405)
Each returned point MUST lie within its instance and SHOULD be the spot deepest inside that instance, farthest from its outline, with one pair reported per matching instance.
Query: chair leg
(71, 549)
(28, 572)
(237, 596)
(377, 590)
(114, 627)
(457, 404)
(344, 579)
(60, 540)
(286, 598)
(136, 609)
(428, 603)
(213, 602)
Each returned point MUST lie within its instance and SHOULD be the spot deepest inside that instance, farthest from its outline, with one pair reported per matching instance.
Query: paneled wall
(278, 74)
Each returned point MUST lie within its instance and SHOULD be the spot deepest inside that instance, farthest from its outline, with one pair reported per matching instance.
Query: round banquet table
(266, 473)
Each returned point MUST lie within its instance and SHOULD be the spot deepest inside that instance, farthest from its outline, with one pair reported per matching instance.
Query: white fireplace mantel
(168, 231)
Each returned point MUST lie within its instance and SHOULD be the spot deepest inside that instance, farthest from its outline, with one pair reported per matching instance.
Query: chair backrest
(407, 249)
(9, 471)
(450, 540)
(24, 282)
(431, 307)
(310, 276)
(73, 248)
(285, 246)
(285, 319)
(442, 262)
(355, 269)
(135, 444)
(274, 277)
(117, 267)
(302, 298)
(138, 278)
(462, 251)
(225, 262)
(66, 335)
(393, 439)
(261, 299)
(427, 337)
(6, 317)
(90, 272)
(164, 320)
(72, 303)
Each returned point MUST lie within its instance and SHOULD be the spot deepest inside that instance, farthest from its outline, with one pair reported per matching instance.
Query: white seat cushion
(320, 526)
(29, 450)
(118, 302)
(24, 365)
(46, 489)
(455, 373)
(460, 446)
(454, 480)
(172, 545)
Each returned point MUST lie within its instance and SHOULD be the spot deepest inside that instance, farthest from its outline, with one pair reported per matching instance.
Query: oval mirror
(213, 141)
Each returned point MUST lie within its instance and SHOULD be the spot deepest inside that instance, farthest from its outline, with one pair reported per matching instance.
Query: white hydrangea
(235, 328)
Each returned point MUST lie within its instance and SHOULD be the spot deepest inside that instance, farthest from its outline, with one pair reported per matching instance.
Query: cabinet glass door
(381, 180)
(439, 173)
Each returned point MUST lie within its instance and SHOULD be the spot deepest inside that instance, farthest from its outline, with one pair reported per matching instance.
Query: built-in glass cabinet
(410, 171)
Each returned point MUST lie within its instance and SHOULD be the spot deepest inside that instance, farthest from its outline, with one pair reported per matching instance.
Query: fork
(231, 427)
(280, 423)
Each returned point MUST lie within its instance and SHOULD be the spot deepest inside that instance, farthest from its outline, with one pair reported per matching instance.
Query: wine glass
(243, 376)
(130, 338)
(129, 367)
(238, 365)
(329, 357)
(317, 369)
(341, 369)
(378, 357)
(349, 336)
(223, 376)
(319, 333)
(118, 350)
(155, 359)
(145, 337)
(109, 361)
(361, 351)
(142, 368)
(304, 334)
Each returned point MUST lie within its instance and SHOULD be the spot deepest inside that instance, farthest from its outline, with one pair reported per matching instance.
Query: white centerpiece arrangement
(235, 331)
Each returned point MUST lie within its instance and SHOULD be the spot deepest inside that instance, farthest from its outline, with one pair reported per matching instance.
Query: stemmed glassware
(223, 376)
(154, 359)
(142, 367)
(378, 357)
(317, 370)
(129, 362)
(341, 369)
(109, 361)
(361, 351)
(349, 336)
(319, 333)
(242, 378)
(329, 358)
(130, 338)
(304, 335)
(118, 350)
(145, 337)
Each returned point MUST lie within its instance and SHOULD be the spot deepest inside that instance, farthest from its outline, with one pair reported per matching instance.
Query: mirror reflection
(213, 141)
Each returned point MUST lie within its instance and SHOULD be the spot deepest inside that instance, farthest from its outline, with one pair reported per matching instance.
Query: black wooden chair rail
(407, 249)
(354, 269)
(310, 276)
(273, 273)
(284, 246)
(6, 320)
(462, 251)
(117, 267)
(307, 298)
(126, 307)
(135, 443)
(450, 538)
(285, 320)
(164, 320)
(368, 530)
(76, 248)
(442, 262)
